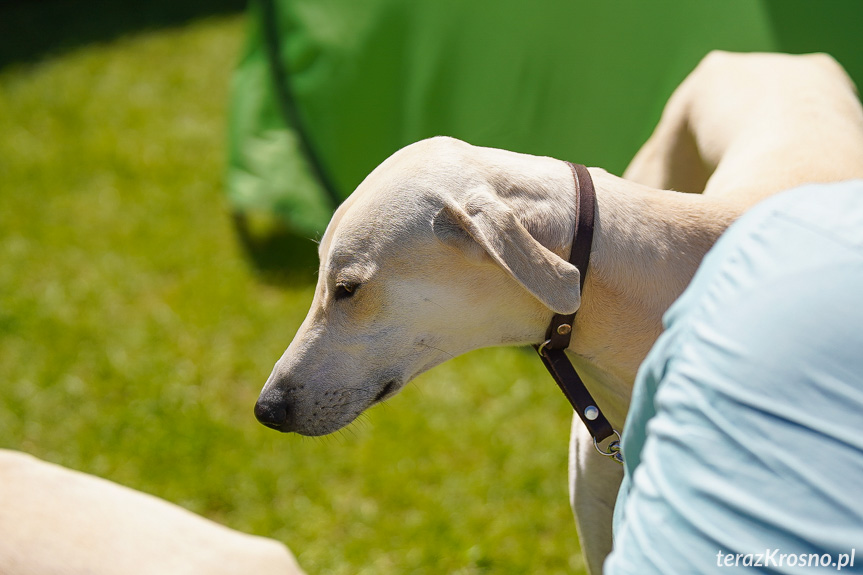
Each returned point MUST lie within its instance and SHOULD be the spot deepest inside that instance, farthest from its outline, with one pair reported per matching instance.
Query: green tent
(327, 89)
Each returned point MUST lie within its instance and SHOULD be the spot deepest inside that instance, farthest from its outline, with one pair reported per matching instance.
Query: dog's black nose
(273, 414)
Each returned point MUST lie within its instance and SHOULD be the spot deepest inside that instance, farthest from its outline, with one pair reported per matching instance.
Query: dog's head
(439, 251)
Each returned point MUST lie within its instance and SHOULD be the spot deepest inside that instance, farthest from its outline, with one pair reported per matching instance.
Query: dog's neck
(647, 245)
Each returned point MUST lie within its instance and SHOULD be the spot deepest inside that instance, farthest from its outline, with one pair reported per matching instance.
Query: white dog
(447, 247)
(58, 521)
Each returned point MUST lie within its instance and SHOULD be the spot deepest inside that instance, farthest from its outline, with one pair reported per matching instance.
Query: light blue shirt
(744, 440)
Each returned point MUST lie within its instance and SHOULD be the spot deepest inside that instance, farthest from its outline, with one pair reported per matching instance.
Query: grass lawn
(136, 332)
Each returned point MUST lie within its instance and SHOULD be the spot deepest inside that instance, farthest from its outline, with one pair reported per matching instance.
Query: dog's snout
(274, 410)
(274, 407)
(273, 414)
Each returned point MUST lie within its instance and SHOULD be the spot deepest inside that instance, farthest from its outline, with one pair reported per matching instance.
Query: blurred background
(165, 166)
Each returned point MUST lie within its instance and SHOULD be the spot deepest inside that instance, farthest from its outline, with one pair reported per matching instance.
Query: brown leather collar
(559, 333)
(560, 330)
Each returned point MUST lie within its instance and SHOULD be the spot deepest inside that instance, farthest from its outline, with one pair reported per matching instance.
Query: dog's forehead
(368, 235)
(369, 230)
(381, 211)
(395, 203)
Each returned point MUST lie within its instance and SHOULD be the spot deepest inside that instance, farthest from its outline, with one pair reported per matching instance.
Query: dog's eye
(345, 290)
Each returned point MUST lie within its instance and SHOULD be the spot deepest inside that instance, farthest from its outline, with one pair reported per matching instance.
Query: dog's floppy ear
(484, 226)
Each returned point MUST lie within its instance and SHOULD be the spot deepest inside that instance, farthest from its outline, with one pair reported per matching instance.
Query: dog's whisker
(433, 302)
(446, 353)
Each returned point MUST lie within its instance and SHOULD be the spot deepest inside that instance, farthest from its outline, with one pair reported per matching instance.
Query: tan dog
(54, 520)
(446, 247)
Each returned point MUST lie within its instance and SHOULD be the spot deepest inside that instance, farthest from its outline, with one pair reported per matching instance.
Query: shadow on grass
(34, 30)
(31, 30)
(280, 256)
